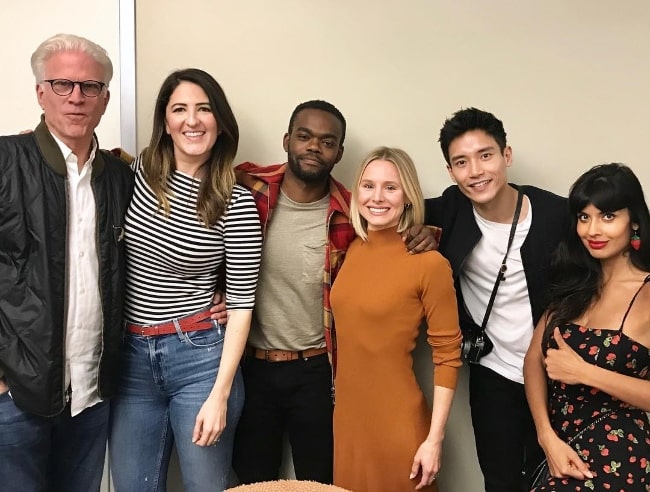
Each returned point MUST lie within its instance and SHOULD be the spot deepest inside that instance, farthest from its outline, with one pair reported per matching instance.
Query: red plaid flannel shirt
(264, 183)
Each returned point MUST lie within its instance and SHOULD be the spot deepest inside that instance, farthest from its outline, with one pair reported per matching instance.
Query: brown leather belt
(283, 355)
(195, 322)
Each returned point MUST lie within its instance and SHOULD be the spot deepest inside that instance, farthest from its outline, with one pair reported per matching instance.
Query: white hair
(70, 42)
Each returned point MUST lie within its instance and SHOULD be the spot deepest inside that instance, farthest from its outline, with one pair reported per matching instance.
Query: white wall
(569, 79)
(25, 24)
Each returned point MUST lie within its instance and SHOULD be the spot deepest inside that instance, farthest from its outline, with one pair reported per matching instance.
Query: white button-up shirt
(83, 338)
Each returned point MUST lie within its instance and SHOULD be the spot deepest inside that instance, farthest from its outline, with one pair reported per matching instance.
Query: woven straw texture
(287, 486)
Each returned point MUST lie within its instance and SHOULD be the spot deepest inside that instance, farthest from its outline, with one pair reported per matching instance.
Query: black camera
(475, 344)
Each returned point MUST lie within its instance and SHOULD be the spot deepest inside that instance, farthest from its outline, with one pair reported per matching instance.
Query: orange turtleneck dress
(379, 300)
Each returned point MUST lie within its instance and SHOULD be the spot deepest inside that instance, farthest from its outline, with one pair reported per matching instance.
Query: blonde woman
(385, 437)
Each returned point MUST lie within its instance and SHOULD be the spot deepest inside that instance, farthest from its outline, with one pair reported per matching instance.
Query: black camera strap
(502, 270)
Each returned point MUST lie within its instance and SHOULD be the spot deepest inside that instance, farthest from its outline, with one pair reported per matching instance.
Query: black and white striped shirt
(173, 262)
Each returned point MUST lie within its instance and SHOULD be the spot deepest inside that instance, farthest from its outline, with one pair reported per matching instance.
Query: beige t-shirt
(288, 311)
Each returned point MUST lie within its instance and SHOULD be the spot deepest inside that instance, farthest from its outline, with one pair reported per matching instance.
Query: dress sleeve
(243, 245)
(441, 313)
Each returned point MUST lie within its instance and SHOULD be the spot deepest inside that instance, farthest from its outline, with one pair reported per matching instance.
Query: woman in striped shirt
(181, 382)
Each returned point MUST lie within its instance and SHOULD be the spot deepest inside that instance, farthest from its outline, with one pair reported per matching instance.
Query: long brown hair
(158, 159)
(576, 276)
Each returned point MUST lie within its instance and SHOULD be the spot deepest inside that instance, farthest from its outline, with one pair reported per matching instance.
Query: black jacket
(33, 270)
(453, 212)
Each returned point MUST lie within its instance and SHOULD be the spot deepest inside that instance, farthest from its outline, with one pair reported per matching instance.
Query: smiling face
(192, 126)
(478, 167)
(314, 145)
(605, 235)
(72, 118)
(380, 195)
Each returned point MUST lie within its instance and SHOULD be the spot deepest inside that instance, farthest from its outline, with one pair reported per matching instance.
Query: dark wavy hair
(158, 159)
(467, 120)
(576, 278)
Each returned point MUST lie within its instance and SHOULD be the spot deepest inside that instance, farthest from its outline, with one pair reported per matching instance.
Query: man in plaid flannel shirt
(292, 349)
(291, 354)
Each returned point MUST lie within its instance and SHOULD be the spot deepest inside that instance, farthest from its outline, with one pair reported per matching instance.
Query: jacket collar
(274, 174)
(52, 153)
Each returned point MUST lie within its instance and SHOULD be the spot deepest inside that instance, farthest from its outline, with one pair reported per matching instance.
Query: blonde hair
(70, 42)
(413, 214)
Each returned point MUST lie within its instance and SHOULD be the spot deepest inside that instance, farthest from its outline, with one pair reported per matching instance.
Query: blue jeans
(61, 453)
(165, 381)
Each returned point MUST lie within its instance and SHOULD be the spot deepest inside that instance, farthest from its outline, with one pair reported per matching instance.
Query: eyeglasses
(64, 87)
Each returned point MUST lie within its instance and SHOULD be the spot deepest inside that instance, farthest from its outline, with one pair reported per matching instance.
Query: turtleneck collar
(382, 236)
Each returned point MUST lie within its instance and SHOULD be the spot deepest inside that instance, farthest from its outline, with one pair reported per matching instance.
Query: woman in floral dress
(586, 371)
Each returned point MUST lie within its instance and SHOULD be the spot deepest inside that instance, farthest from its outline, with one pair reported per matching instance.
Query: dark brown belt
(283, 355)
(195, 322)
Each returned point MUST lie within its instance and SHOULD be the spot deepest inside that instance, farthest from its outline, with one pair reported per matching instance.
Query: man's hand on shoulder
(420, 238)
(123, 154)
(218, 309)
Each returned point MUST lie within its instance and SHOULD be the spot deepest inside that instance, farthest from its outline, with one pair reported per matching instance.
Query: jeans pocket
(205, 338)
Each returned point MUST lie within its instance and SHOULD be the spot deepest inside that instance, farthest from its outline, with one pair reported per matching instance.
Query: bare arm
(562, 459)
(535, 383)
(563, 364)
(243, 246)
(211, 419)
(629, 389)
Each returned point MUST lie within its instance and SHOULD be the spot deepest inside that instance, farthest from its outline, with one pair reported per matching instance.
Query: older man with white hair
(62, 205)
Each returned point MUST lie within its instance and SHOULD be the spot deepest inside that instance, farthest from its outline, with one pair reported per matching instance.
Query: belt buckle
(142, 330)
(266, 355)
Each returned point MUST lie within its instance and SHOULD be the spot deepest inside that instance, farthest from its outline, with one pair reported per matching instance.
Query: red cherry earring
(635, 240)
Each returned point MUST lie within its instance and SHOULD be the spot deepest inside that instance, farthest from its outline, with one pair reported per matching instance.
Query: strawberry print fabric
(617, 449)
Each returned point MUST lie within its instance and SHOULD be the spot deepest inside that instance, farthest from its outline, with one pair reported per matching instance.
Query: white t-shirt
(510, 325)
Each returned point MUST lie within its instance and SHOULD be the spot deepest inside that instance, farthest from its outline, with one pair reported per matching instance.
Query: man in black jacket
(476, 217)
(62, 204)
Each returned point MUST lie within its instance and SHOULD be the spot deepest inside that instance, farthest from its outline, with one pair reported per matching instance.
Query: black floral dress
(617, 447)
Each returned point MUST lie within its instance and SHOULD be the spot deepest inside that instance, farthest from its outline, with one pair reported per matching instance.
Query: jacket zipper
(64, 390)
